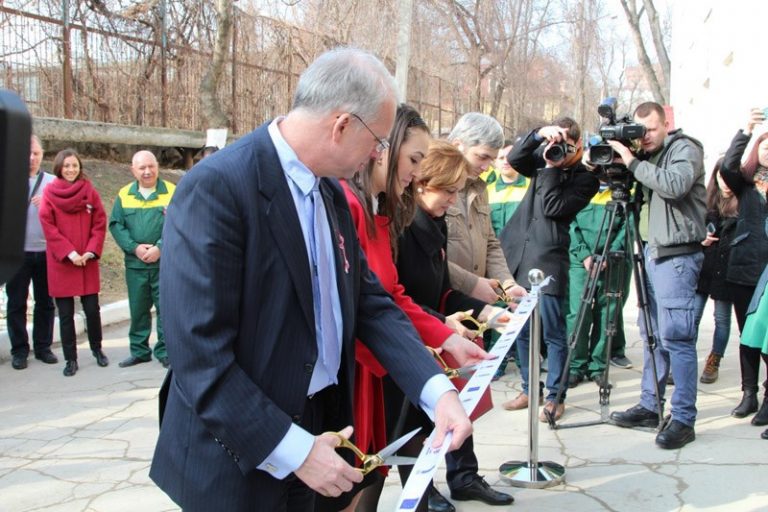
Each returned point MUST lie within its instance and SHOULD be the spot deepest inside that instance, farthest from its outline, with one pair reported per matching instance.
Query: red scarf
(70, 197)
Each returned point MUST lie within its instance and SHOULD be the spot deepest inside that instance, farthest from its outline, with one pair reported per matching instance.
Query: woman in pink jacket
(74, 224)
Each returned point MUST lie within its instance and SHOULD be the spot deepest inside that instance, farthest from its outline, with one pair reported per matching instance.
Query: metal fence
(68, 60)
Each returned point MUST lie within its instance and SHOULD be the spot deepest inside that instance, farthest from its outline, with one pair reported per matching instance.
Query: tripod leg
(614, 300)
(609, 219)
(643, 300)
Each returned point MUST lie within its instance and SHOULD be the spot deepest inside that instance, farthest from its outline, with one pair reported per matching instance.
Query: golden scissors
(504, 297)
(453, 373)
(484, 326)
(386, 457)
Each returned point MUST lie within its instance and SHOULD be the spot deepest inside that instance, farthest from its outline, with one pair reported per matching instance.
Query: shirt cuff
(72, 255)
(289, 454)
(435, 387)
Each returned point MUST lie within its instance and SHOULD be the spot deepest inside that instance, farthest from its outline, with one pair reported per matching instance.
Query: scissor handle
(481, 326)
(451, 373)
(370, 462)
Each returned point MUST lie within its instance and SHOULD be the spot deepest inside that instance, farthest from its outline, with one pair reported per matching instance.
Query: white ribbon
(429, 458)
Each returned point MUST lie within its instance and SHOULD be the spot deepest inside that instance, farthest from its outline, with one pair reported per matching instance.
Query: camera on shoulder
(602, 155)
(621, 129)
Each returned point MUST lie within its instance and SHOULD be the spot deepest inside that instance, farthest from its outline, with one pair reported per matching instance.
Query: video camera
(601, 154)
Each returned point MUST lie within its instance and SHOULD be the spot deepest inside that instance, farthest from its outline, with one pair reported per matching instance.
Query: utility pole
(403, 48)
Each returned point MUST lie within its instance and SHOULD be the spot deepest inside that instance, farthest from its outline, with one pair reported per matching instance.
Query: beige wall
(718, 70)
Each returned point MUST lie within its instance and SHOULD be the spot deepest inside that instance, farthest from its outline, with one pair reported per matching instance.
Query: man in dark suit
(264, 288)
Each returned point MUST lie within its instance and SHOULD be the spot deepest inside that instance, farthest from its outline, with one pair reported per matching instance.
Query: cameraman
(537, 237)
(670, 173)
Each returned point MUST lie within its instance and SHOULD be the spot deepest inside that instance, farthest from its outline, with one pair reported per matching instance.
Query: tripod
(620, 207)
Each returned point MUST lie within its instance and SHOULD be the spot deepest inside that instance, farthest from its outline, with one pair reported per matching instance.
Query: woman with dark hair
(74, 223)
(382, 205)
(749, 251)
(722, 211)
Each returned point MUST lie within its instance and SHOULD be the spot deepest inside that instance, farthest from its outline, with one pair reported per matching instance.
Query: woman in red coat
(382, 205)
(74, 224)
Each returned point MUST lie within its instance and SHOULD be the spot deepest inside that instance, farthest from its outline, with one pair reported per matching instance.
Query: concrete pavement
(85, 443)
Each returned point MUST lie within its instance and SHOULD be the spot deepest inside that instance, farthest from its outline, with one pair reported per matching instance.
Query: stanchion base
(520, 473)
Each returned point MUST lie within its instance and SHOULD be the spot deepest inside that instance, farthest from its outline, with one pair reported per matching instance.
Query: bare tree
(211, 108)
(659, 84)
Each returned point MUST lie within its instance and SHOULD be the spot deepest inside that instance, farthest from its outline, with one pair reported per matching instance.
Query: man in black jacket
(537, 237)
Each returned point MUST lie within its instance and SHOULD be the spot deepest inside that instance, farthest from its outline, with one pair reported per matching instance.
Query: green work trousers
(143, 292)
(588, 358)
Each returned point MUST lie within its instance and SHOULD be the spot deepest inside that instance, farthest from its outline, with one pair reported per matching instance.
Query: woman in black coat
(749, 249)
(722, 210)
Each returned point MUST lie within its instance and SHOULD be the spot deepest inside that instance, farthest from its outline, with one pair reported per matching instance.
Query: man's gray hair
(476, 129)
(345, 79)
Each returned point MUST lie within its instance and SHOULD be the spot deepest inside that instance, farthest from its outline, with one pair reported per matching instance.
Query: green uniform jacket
(504, 198)
(584, 230)
(136, 220)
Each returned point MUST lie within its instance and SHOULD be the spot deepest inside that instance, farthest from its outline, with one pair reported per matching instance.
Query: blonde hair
(444, 166)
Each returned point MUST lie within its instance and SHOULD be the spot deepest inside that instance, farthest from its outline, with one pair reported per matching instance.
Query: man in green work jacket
(136, 224)
(589, 358)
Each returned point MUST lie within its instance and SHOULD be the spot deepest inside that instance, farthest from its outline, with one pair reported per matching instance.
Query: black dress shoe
(70, 369)
(132, 361)
(479, 490)
(637, 416)
(101, 358)
(436, 502)
(19, 362)
(764, 435)
(675, 436)
(47, 357)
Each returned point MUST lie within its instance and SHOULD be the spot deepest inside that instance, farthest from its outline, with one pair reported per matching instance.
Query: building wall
(719, 68)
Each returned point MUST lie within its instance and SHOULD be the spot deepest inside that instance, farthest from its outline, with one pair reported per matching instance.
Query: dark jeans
(32, 270)
(554, 337)
(66, 307)
(722, 321)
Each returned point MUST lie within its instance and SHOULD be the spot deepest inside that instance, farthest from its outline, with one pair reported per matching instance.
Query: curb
(113, 313)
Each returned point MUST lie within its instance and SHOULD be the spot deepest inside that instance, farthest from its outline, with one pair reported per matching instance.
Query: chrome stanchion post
(531, 473)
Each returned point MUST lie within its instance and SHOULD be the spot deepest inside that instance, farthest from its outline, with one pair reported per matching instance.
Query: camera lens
(601, 154)
(555, 152)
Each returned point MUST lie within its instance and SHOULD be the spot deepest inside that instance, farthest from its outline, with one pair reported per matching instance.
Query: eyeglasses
(383, 144)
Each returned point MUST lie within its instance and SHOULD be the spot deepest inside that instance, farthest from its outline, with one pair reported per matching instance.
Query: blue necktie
(322, 267)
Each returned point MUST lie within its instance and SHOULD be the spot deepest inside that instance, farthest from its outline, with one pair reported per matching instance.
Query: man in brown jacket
(476, 262)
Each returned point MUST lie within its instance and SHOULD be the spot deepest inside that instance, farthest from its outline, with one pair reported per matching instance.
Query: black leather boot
(761, 418)
(748, 404)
